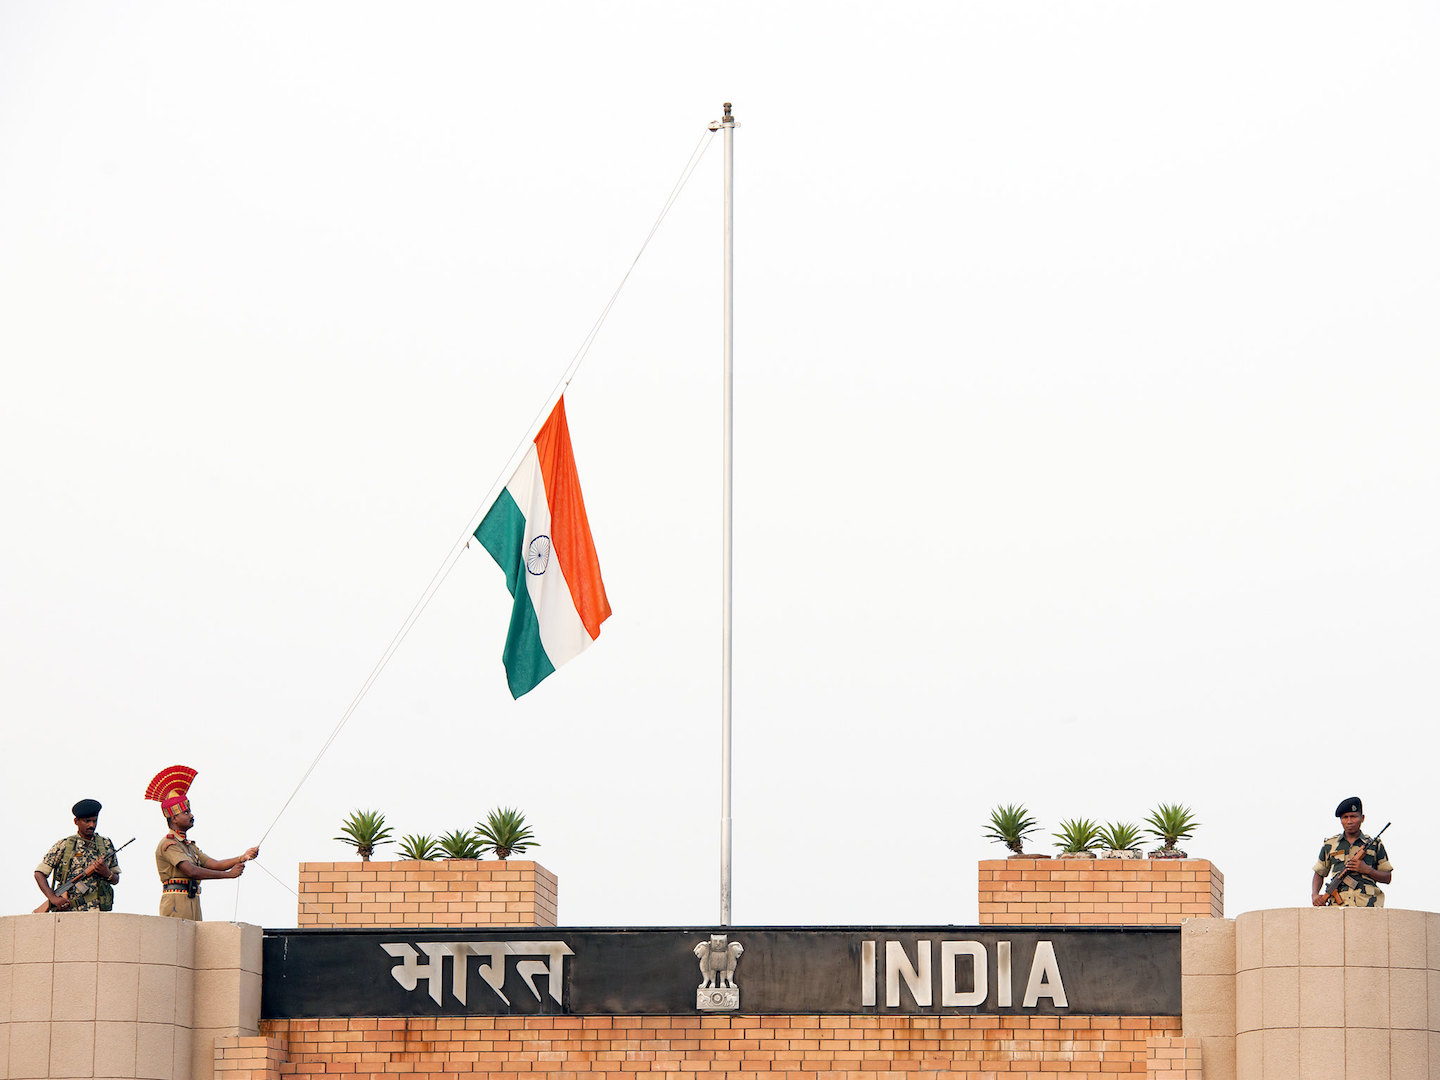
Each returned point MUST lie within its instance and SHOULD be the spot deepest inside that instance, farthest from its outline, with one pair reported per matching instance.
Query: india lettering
(960, 971)
(488, 958)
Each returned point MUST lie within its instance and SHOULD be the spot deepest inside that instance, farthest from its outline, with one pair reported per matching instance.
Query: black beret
(1349, 806)
(86, 808)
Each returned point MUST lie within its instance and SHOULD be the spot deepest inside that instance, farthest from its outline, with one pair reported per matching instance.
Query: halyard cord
(460, 545)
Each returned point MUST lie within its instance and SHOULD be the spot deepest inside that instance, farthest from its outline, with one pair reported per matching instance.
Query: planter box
(1098, 892)
(445, 892)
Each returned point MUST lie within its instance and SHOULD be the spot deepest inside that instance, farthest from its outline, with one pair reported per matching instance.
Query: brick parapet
(1098, 892)
(758, 1047)
(411, 894)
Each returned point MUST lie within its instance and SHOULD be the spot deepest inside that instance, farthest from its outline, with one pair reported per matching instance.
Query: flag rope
(458, 548)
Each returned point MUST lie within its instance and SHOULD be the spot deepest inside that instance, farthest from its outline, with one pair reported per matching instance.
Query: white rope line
(453, 556)
(300, 902)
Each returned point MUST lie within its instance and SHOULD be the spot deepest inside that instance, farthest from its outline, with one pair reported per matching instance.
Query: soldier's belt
(189, 886)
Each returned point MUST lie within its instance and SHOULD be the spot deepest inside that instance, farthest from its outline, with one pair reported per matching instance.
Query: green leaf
(364, 830)
(1119, 836)
(505, 833)
(420, 846)
(461, 844)
(1010, 825)
(1077, 836)
(1171, 822)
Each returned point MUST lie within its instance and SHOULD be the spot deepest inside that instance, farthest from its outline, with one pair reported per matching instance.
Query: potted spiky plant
(1120, 840)
(1170, 823)
(504, 832)
(1077, 838)
(1010, 825)
(419, 847)
(461, 844)
(365, 830)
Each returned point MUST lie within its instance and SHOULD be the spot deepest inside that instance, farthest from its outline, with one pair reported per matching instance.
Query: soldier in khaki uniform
(85, 855)
(179, 861)
(1360, 862)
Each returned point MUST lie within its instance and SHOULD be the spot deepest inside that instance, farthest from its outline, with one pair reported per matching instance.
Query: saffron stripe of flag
(538, 532)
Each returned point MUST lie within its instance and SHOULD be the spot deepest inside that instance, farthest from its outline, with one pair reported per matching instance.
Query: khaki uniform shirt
(69, 857)
(1356, 890)
(169, 854)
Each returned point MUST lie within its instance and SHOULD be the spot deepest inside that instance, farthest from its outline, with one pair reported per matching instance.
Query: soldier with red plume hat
(179, 861)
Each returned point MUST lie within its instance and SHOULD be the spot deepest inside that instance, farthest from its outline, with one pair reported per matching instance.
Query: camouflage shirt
(1356, 890)
(69, 857)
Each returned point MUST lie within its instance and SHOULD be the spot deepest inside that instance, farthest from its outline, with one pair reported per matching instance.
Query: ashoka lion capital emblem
(718, 956)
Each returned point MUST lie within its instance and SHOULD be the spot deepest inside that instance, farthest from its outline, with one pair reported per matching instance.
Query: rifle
(1332, 891)
(47, 906)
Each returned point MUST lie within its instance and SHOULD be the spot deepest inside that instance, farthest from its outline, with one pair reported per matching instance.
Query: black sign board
(1132, 971)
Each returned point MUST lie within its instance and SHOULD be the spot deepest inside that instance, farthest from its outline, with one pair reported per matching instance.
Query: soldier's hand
(1318, 900)
(97, 867)
(252, 853)
(1356, 856)
(61, 903)
(236, 870)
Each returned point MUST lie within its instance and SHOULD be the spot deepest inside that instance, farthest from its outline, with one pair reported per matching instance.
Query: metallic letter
(1045, 978)
(554, 967)
(1004, 980)
(408, 973)
(897, 964)
(949, 995)
(867, 973)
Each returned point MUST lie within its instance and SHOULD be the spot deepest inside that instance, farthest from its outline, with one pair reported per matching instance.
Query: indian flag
(538, 533)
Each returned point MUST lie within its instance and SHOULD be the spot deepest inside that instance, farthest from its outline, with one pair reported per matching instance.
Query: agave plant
(1119, 836)
(1010, 825)
(420, 846)
(1078, 836)
(1170, 823)
(504, 832)
(461, 844)
(365, 830)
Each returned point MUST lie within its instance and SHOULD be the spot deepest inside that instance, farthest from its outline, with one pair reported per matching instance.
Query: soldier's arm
(1317, 899)
(43, 880)
(210, 870)
(1356, 864)
(239, 860)
(101, 868)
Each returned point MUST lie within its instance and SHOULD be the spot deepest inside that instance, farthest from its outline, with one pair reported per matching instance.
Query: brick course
(1174, 1058)
(738, 1047)
(1099, 892)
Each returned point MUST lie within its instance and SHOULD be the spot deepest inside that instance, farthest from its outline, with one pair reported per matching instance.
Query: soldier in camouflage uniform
(1358, 862)
(85, 854)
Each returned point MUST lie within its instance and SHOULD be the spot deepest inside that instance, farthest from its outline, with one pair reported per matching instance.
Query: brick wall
(252, 1058)
(1045, 892)
(1090, 892)
(749, 1047)
(449, 892)
(1174, 1059)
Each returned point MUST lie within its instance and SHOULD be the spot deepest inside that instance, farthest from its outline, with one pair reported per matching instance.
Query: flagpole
(727, 124)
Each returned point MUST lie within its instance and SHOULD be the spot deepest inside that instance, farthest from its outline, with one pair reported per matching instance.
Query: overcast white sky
(1086, 444)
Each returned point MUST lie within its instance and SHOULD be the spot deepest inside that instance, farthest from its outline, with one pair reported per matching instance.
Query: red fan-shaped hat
(169, 788)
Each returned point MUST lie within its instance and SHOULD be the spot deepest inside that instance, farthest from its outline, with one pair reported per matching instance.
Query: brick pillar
(1098, 892)
(443, 892)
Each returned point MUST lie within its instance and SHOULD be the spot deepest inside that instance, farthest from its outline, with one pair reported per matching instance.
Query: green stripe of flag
(502, 533)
